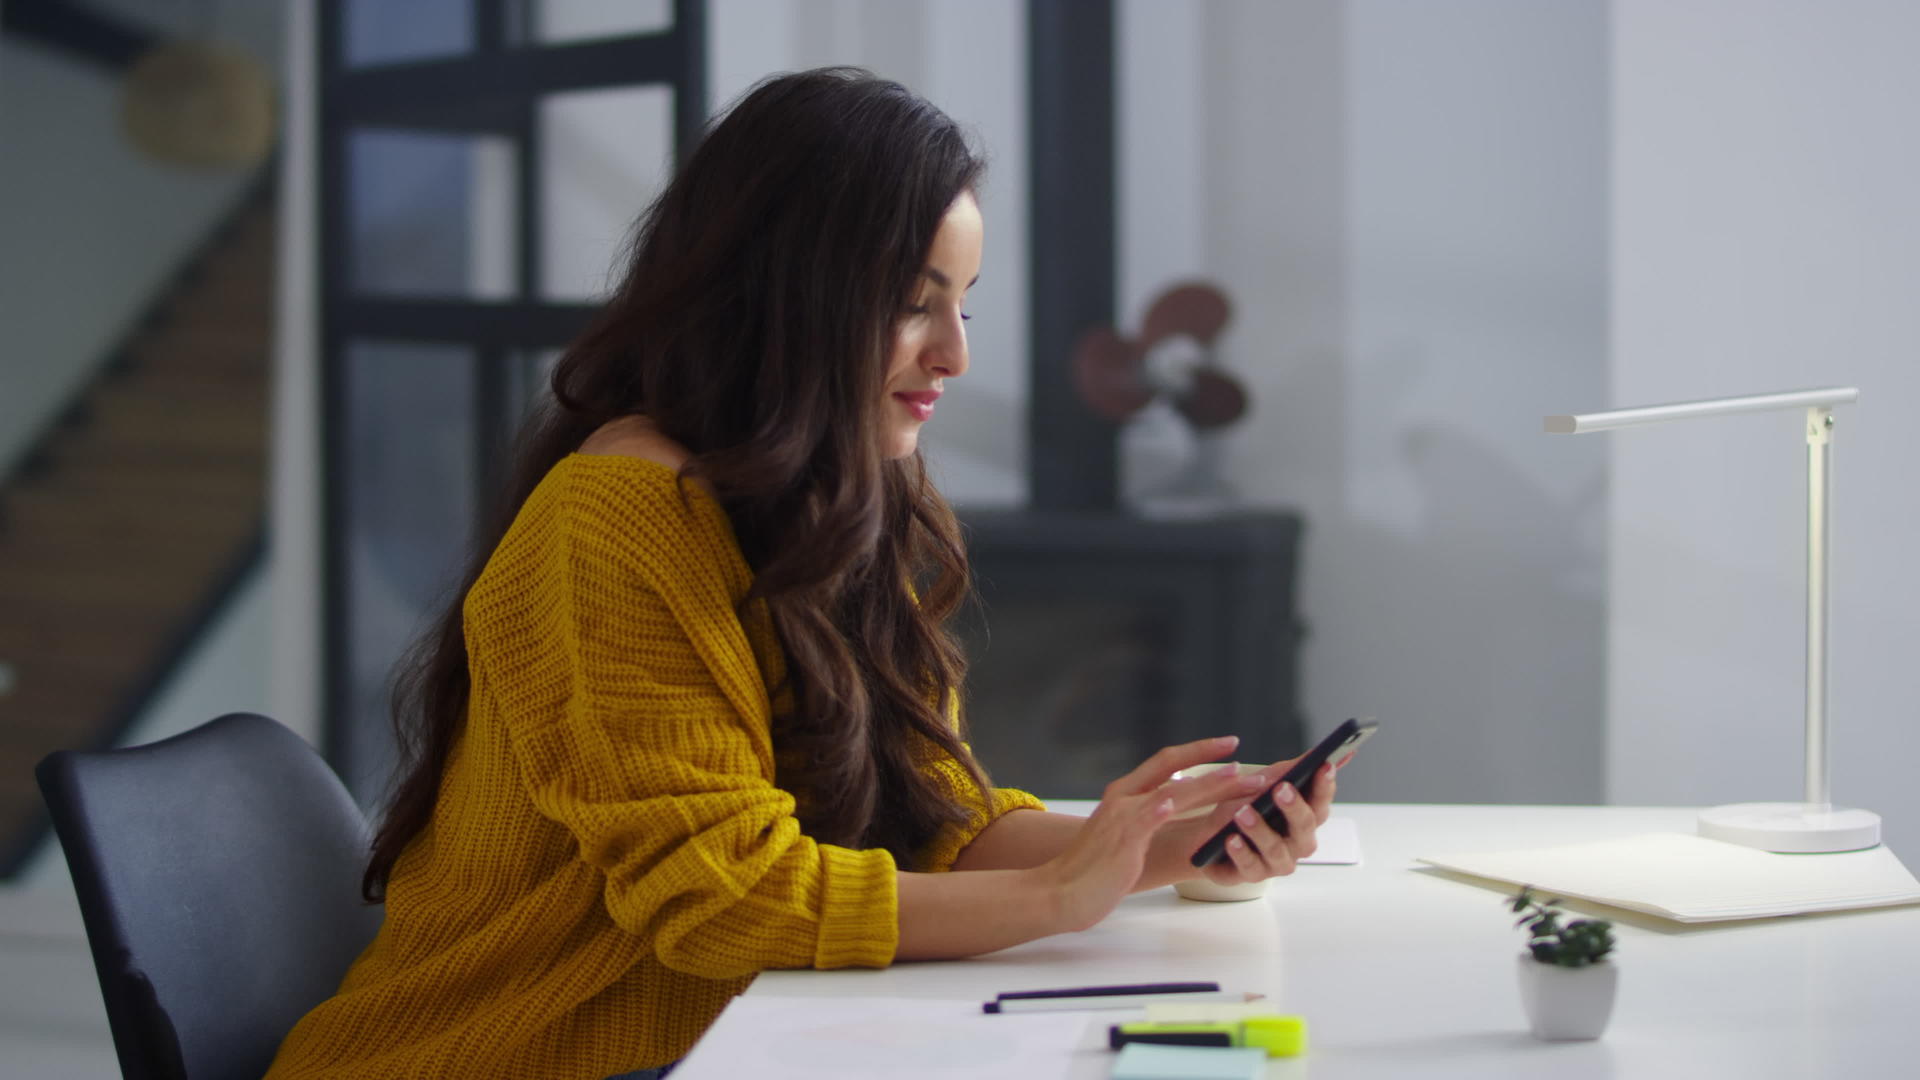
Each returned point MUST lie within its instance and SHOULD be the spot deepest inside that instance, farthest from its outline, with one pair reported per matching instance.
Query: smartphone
(1337, 747)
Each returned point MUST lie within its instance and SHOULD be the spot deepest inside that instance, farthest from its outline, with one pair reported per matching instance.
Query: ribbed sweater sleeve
(658, 757)
(940, 853)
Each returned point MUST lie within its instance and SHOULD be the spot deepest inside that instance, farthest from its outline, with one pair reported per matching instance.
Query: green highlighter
(1279, 1036)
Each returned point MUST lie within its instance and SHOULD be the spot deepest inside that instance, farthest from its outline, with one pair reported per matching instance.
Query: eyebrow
(945, 282)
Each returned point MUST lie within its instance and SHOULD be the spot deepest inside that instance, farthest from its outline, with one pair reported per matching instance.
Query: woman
(694, 715)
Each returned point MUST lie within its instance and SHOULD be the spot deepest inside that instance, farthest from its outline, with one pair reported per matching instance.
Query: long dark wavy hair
(753, 326)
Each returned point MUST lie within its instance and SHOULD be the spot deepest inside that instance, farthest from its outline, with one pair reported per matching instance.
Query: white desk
(1409, 973)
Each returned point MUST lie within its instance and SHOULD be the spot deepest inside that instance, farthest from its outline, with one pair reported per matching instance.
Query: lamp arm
(1582, 423)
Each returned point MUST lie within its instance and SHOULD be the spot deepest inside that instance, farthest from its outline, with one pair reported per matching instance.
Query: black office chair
(219, 878)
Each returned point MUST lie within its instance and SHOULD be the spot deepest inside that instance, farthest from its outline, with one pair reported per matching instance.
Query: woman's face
(930, 338)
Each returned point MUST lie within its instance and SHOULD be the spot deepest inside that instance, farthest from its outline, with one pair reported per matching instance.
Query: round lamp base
(1791, 827)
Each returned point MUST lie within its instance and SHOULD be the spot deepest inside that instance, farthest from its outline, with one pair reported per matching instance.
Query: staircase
(134, 518)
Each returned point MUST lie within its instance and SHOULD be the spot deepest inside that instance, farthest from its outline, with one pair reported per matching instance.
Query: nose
(946, 354)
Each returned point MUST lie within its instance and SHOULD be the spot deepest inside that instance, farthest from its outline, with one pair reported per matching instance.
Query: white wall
(1765, 230)
(1406, 202)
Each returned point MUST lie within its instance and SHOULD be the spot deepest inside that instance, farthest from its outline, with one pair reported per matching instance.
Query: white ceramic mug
(1201, 888)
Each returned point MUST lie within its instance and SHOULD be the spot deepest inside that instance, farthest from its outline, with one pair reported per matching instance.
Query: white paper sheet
(1694, 879)
(892, 1037)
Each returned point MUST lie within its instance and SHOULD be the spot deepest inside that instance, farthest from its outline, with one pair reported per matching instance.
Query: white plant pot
(1567, 1003)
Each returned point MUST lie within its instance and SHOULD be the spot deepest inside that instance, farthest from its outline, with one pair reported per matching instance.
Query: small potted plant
(1566, 981)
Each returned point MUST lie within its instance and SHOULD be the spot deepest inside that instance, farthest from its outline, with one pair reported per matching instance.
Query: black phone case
(1300, 776)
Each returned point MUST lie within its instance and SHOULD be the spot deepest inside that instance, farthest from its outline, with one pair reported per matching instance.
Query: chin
(903, 444)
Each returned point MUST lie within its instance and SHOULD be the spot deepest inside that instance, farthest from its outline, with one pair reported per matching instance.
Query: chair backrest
(219, 879)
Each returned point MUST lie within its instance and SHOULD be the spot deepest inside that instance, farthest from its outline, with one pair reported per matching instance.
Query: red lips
(919, 402)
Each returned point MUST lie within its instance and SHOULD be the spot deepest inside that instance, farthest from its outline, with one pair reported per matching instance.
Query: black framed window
(480, 164)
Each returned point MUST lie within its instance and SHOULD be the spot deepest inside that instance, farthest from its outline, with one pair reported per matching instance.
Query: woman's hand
(1105, 859)
(1264, 853)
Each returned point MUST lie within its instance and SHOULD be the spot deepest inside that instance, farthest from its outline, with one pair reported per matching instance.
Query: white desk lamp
(1816, 824)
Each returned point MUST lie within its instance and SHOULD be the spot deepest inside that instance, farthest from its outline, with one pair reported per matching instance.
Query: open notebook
(1694, 879)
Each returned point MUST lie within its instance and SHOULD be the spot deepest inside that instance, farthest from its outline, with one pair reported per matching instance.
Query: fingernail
(1286, 793)
(1226, 740)
(1244, 816)
(1236, 843)
(1254, 781)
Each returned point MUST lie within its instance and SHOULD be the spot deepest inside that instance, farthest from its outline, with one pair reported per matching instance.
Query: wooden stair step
(101, 593)
(50, 704)
(148, 549)
(241, 270)
(20, 798)
(37, 726)
(251, 245)
(136, 511)
(244, 265)
(237, 479)
(230, 485)
(187, 367)
(124, 557)
(35, 669)
(47, 698)
(60, 633)
(125, 554)
(49, 689)
(205, 358)
(241, 276)
(233, 312)
(20, 802)
(171, 407)
(79, 449)
(156, 431)
(217, 338)
(44, 530)
(251, 307)
(190, 389)
(34, 526)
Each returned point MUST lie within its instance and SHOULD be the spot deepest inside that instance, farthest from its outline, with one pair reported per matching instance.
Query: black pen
(1118, 1001)
(1102, 991)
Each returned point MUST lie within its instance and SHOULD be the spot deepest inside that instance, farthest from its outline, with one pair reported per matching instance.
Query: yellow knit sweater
(609, 861)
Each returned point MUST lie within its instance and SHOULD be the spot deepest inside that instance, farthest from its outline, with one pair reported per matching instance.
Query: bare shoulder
(635, 436)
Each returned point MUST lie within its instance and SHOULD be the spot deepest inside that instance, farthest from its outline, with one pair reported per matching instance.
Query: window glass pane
(578, 20)
(604, 155)
(409, 449)
(387, 32)
(431, 214)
